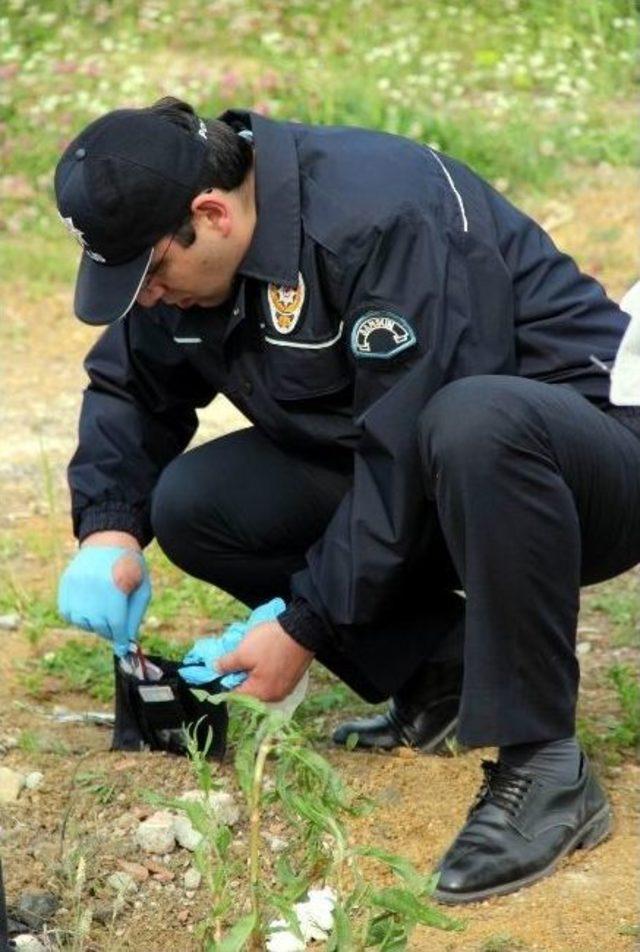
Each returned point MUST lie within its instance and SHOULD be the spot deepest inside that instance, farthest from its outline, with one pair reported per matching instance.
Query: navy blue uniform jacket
(412, 272)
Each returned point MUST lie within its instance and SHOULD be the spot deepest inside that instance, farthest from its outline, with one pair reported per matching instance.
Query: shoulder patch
(381, 334)
(285, 305)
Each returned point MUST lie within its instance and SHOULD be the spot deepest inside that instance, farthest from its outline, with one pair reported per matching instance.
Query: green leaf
(351, 741)
(341, 937)
(406, 904)
(387, 934)
(236, 938)
(402, 867)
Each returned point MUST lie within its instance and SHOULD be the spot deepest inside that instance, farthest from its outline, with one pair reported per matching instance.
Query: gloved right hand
(90, 598)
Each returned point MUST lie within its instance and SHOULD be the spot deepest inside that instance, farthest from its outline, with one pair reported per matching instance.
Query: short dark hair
(229, 156)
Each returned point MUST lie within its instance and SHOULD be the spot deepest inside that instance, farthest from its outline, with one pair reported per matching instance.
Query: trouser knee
(470, 425)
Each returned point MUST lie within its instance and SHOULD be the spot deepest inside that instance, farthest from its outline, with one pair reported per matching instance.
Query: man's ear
(214, 208)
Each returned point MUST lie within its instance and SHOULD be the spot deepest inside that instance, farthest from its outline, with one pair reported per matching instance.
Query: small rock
(221, 802)
(10, 742)
(160, 873)
(33, 779)
(11, 783)
(9, 622)
(36, 908)
(185, 833)
(156, 835)
(182, 916)
(28, 943)
(122, 882)
(192, 879)
(583, 648)
(277, 844)
(106, 912)
(135, 870)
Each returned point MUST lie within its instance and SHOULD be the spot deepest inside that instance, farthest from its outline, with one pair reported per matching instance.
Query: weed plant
(278, 773)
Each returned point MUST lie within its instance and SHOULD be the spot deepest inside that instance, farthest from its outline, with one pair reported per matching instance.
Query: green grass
(622, 608)
(617, 735)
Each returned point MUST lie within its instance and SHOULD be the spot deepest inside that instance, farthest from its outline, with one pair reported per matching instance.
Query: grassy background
(521, 89)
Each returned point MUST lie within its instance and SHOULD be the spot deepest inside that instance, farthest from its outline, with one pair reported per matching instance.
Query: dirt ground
(588, 906)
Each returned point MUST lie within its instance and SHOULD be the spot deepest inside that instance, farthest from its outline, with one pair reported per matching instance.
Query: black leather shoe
(422, 715)
(517, 830)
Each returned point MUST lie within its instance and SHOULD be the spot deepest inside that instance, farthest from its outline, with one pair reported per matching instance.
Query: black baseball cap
(126, 181)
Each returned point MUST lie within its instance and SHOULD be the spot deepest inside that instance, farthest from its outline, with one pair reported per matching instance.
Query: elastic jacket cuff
(303, 625)
(113, 517)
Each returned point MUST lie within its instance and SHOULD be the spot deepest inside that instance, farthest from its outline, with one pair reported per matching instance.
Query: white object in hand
(625, 374)
(289, 703)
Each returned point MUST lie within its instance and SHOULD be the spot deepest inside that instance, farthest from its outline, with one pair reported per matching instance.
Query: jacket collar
(274, 252)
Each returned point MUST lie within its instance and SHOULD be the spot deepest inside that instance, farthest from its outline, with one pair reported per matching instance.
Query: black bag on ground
(154, 714)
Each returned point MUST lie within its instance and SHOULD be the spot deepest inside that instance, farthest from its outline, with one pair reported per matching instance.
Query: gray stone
(583, 648)
(11, 783)
(36, 908)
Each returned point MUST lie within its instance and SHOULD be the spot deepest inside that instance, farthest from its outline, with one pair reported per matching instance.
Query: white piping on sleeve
(188, 340)
(454, 189)
(287, 343)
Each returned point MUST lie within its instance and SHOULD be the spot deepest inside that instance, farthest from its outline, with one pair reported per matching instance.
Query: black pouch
(154, 714)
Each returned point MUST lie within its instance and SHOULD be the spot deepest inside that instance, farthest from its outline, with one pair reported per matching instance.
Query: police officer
(423, 372)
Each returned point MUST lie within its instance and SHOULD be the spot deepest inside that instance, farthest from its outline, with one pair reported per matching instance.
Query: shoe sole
(590, 835)
(436, 745)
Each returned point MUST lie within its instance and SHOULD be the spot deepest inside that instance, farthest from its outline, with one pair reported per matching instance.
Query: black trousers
(533, 492)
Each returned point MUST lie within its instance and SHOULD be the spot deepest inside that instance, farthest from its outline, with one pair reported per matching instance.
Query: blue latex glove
(89, 598)
(200, 661)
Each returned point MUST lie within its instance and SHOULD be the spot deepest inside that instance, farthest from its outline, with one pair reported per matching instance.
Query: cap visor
(104, 292)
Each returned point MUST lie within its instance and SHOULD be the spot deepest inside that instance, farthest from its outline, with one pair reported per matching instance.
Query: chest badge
(381, 334)
(285, 305)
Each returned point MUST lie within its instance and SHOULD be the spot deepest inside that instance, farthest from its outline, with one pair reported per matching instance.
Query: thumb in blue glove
(106, 589)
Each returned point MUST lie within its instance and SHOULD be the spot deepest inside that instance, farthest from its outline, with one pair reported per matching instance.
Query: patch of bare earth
(585, 907)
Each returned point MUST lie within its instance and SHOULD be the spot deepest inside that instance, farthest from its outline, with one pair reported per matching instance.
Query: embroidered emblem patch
(285, 305)
(79, 236)
(381, 334)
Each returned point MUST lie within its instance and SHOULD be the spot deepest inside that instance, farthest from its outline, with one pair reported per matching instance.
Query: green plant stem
(264, 749)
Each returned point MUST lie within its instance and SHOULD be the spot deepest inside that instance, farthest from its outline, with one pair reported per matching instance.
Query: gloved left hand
(91, 596)
(200, 661)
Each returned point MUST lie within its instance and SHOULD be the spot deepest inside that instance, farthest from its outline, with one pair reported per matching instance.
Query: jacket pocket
(302, 370)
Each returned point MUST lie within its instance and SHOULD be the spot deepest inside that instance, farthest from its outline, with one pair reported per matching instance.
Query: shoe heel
(597, 831)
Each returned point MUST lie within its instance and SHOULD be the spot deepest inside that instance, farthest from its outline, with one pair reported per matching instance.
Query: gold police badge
(285, 305)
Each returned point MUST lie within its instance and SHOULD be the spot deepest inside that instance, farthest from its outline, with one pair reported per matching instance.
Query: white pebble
(192, 879)
(28, 943)
(185, 833)
(156, 834)
(9, 623)
(33, 779)
(222, 804)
